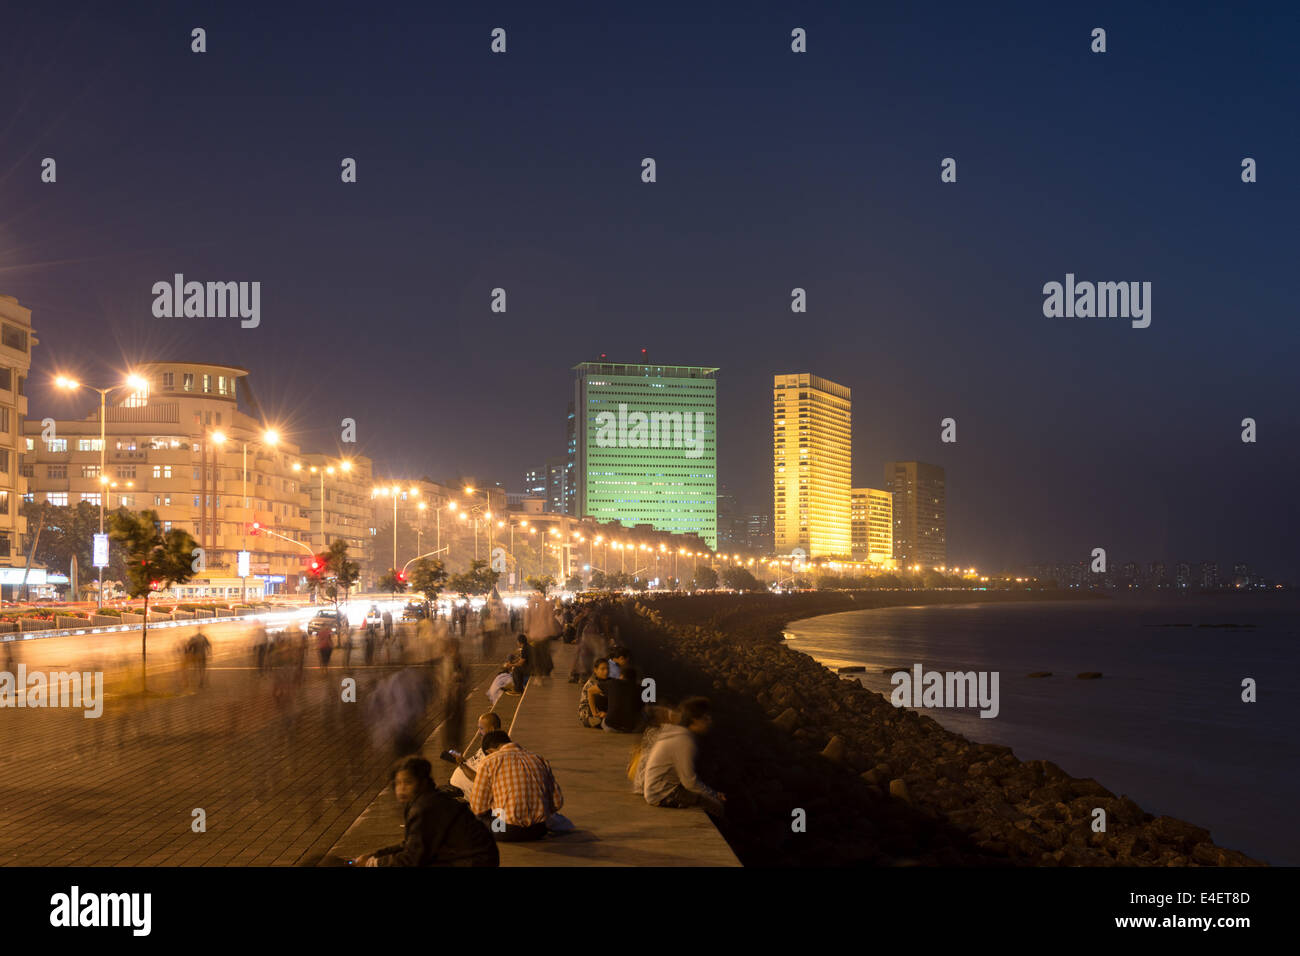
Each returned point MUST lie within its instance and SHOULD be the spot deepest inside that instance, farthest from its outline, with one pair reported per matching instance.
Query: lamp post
(396, 492)
(487, 516)
(135, 382)
(270, 438)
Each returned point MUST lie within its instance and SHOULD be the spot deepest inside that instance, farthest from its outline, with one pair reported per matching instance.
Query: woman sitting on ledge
(592, 706)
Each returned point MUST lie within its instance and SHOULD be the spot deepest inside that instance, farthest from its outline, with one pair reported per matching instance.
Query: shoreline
(878, 785)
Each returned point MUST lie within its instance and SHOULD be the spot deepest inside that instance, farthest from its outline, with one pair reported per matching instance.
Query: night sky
(775, 170)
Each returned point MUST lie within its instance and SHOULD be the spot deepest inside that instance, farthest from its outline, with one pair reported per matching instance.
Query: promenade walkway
(614, 825)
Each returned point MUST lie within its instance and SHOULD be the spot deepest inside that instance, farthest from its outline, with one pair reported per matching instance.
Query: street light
(270, 438)
(487, 515)
(345, 466)
(396, 492)
(137, 384)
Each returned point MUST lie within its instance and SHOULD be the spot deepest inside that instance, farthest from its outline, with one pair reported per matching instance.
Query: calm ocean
(1165, 724)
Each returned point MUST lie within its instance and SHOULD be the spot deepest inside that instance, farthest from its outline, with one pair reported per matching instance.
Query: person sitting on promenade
(623, 695)
(593, 703)
(503, 683)
(515, 792)
(467, 767)
(440, 830)
(657, 718)
(670, 778)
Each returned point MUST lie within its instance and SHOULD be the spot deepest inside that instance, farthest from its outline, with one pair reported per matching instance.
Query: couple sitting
(611, 697)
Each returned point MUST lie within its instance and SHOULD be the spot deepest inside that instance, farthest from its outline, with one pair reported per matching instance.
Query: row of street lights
(270, 438)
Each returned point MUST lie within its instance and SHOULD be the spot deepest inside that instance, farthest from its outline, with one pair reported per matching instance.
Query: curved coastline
(901, 789)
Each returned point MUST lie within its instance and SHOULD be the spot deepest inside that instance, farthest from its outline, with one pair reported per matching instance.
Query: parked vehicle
(415, 611)
(327, 617)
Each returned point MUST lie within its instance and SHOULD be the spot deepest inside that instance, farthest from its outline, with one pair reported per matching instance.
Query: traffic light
(315, 566)
(401, 576)
(254, 527)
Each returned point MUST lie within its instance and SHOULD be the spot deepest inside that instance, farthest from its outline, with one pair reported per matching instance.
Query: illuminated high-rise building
(812, 462)
(873, 526)
(920, 513)
(645, 446)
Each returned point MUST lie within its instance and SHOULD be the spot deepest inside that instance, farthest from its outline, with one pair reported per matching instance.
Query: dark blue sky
(775, 170)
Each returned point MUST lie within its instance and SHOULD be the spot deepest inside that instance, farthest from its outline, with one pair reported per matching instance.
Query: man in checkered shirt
(514, 790)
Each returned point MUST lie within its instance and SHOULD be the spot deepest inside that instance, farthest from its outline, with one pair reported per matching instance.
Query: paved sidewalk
(615, 826)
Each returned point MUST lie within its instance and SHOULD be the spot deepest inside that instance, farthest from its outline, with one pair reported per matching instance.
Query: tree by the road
(705, 578)
(740, 579)
(340, 571)
(155, 560)
(479, 579)
(391, 581)
(427, 578)
(541, 585)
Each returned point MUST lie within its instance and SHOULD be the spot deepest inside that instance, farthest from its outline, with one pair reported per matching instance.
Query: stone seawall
(878, 785)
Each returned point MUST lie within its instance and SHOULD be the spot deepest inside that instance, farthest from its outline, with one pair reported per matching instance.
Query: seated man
(467, 768)
(440, 830)
(670, 779)
(514, 791)
(622, 695)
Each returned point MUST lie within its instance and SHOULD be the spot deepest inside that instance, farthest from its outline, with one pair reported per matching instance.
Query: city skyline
(923, 315)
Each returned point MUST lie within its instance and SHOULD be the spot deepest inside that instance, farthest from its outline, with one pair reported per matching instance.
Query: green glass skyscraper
(647, 446)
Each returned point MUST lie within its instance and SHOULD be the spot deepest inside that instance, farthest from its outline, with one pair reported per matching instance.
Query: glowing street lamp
(135, 383)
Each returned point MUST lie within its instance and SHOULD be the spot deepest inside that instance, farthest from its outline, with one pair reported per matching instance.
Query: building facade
(16, 342)
(646, 446)
(179, 447)
(340, 503)
(920, 513)
(873, 526)
(812, 430)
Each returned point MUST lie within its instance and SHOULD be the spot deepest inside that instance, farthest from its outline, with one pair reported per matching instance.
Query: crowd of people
(504, 792)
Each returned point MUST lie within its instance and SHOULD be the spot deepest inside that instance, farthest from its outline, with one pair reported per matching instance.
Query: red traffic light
(401, 575)
(315, 566)
(254, 527)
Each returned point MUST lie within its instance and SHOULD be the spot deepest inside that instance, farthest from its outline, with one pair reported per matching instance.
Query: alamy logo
(949, 689)
(56, 689)
(651, 430)
(212, 300)
(102, 909)
(1103, 300)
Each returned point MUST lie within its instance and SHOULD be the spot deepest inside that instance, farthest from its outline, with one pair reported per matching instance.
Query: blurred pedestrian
(324, 645)
(261, 647)
(199, 649)
(453, 680)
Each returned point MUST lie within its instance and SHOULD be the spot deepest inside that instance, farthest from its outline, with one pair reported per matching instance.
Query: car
(374, 618)
(415, 611)
(326, 618)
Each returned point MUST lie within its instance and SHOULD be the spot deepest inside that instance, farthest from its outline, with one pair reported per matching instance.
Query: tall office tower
(920, 514)
(758, 533)
(812, 460)
(873, 525)
(646, 446)
(16, 341)
(570, 496)
(731, 530)
(557, 485)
